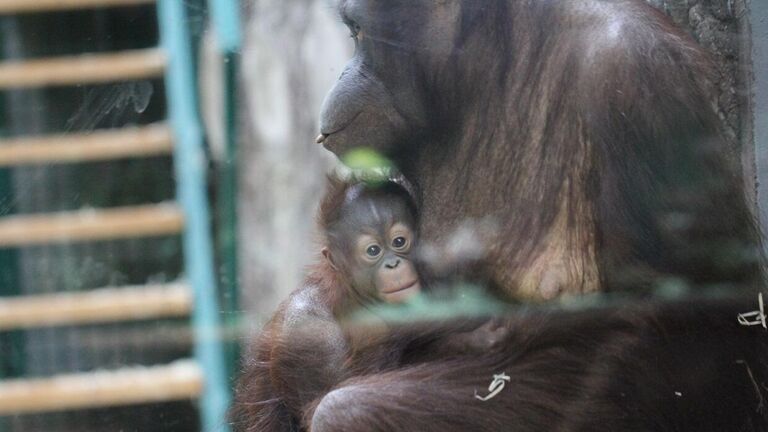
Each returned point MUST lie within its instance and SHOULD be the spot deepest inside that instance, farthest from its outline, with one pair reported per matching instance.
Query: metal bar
(82, 69)
(190, 167)
(225, 21)
(129, 303)
(177, 381)
(12, 344)
(34, 6)
(226, 24)
(142, 141)
(228, 207)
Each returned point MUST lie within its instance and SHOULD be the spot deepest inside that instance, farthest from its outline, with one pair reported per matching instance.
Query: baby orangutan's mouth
(402, 292)
(402, 287)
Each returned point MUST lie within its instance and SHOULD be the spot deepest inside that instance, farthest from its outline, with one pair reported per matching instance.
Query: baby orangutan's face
(377, 243)
(385, 262)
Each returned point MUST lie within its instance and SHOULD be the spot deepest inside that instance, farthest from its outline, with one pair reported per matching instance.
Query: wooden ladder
(203, 377)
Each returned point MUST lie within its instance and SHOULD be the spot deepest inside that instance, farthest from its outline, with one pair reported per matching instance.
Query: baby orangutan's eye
(399, 242)
(373, 251)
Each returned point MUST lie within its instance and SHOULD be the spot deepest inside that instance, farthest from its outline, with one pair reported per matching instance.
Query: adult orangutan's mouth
(323, 135)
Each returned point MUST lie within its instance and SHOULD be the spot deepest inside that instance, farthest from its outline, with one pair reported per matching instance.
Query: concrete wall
(294, 51)
(758, 20)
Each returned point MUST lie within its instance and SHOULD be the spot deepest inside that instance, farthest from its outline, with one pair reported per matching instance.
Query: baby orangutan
(304, 351)
(312, 344)
(369, 239)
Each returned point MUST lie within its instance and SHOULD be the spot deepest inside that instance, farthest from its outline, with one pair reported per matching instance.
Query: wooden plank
(85, 225)
(26, 6)
(97, 306)
(82, 69)
(179, 380)
(142, 141)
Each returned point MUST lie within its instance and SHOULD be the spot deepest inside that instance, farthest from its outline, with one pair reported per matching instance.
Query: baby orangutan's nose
(392, 263)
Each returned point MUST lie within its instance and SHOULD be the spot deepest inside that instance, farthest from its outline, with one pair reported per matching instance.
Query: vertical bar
(229, 207)
(225, 21)
(190, 168)
(12, 343)
(759, 25)
(226, 206)
(226, 24)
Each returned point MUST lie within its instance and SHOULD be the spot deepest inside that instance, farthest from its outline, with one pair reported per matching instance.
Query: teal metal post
(190, 168)
(225, 23)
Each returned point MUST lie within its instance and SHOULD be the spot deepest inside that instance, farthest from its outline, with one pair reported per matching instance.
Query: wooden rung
(179, 380)
(97, 306)
(25, 6)
(82, 69)
(83, 225)
(99, 145)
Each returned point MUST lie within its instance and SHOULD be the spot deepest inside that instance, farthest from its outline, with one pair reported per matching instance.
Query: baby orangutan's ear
(327, 255)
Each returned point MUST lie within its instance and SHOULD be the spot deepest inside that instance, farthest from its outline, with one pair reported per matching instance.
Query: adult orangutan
(583, 130)
(577, 141)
